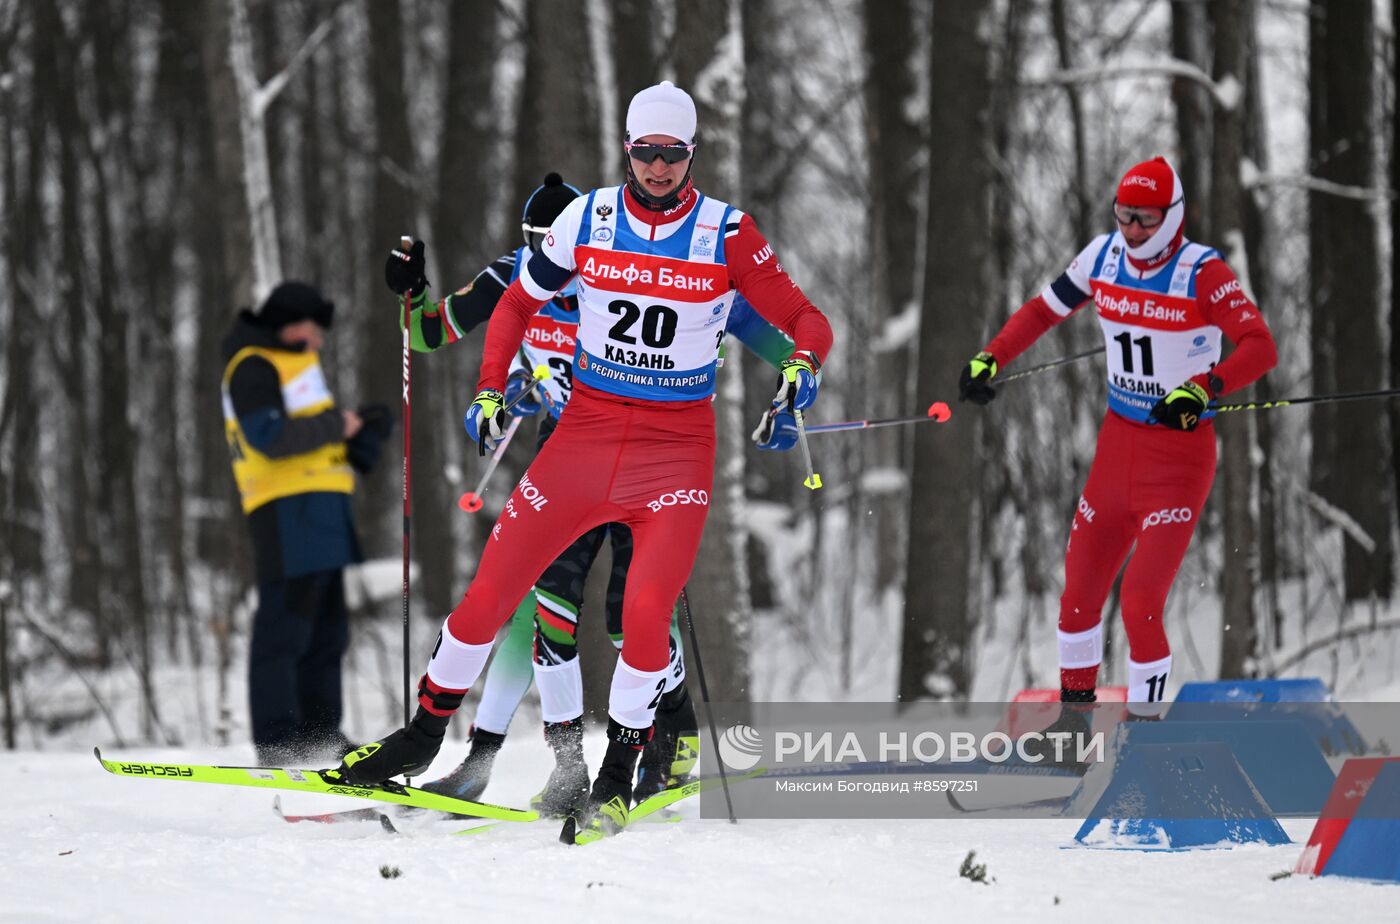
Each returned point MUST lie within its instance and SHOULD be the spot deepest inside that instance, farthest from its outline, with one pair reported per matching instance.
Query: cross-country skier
(1163, 303)
(657, 265)
(544, 625)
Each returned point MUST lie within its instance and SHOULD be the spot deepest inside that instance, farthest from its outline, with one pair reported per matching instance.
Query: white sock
(635, 694)
(1147, 686)
(561, 691)
(1081, 649)
(456, 665)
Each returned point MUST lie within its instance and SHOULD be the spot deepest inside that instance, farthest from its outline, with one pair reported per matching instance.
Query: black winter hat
(291, 302)
(545, 204)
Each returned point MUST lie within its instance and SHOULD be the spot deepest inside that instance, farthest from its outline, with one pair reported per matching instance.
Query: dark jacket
(301, 533)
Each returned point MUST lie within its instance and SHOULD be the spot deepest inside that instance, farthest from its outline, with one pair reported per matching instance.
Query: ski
(331, 818)
(323, 781)
(657, 803)
(1052, 802)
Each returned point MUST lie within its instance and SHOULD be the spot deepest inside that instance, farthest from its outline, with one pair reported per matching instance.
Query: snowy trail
(79, 844)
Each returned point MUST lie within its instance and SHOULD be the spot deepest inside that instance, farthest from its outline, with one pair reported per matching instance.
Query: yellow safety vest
(305, 394)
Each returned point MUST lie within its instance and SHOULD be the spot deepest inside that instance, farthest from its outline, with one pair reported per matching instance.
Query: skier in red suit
(1163, 303)
(657, 266)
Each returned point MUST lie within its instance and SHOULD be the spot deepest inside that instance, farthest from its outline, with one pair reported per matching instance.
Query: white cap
(664, 109)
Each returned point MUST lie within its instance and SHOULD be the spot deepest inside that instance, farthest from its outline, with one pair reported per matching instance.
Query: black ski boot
(566, 792)
(669, 758)
(606, 813)
(1076, 720)
(469, 780)
(408, 751)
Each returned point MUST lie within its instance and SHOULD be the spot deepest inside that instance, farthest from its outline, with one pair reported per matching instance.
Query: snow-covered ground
(81, 845)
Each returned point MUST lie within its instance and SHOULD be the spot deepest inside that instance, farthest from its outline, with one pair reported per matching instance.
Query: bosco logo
(1167, 515)
(682, 498)
(1140, 180)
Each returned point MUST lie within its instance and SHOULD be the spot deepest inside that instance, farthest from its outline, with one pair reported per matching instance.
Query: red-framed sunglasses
(670, 153)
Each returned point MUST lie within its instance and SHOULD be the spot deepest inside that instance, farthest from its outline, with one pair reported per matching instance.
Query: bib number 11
(1144, 344)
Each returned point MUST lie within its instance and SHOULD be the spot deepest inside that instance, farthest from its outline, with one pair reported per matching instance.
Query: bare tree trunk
(120, 520)
(719, 583)
(1084, 223)
(558, 127)
(895, 141)
(1239, 641)
(21, 510)
(935, 654)
(7, 678)
(223, 248)
(764, 73)
(1350, 445)
(1190, 43)
(1394, 115)
(634, 57)
(1259, 249)
(380, 358)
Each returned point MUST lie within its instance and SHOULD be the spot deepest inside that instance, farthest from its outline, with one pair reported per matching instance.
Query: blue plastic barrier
(1301, 699)
(1280, 758)
(1179, 796)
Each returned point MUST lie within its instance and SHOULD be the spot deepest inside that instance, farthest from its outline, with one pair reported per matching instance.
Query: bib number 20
(658, 324)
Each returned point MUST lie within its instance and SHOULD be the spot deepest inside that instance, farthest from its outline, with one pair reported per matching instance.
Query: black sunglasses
(670, 153)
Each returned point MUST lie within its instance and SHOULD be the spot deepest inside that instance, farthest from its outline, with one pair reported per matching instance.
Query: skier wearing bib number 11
(1163, 302)
(656, 265)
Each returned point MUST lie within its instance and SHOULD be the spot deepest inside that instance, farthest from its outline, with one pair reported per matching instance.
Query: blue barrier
(1277, 690)
(1280, 758)
(1301, 699)
(1179, 796)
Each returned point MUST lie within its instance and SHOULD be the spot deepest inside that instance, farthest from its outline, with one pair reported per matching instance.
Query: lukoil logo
(740, 747)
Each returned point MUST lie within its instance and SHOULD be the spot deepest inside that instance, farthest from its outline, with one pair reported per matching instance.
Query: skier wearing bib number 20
(1163, 302)
(656, 265)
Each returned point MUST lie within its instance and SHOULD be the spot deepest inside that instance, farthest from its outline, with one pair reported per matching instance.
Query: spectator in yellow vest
(294, 457)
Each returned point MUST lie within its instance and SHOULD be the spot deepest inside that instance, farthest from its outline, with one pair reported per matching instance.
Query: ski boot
(468, 781)
(566, 791)
(606, 814)
(410, 750)
(670, 756)
(1076, 720)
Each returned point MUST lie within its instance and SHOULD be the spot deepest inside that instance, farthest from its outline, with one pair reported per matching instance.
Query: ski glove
(1181, 409)
(975, 382)
(798, 379)
(777, 430)
(407, 272)
(486, 419)
(519, 383)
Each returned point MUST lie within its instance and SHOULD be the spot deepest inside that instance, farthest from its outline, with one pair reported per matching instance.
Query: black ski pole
(705, 695)
(1305, 399)
(1073, 358)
